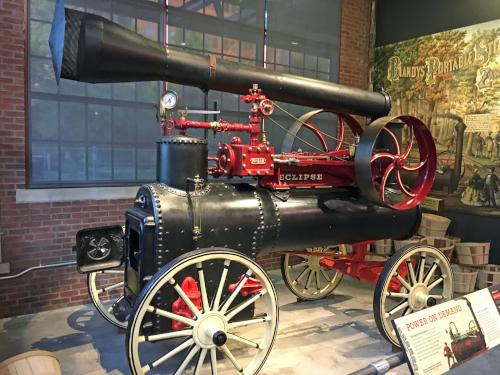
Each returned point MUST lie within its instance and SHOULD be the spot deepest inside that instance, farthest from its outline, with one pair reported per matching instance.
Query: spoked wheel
(306, 121)
(415, 277)
(380, 168)
(306, 277)
(212, 337)
(105, 288)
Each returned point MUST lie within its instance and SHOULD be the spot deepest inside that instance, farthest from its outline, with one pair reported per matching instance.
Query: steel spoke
(199, 362)
(184, 297)
(235, 292)
(380, 155)
(407, 311)
(166, 336)
(242, 340)
(213, 361)
(301, 275)
(397, 295)
(230, 356)
(298, 265)
(402, 186)
(111, 287)
(188, 359)
(399, 307)
(411, 272)
(220, 288)
(326, 276)
(421, 267)
(435, 283)
(308, 281)
(204, 297)
(170, 354)
(316, 274)
(403, 281)
(244, 305)
(169, 315)
(244, 323)
(387, 172)
(415, 167)
(430, 273)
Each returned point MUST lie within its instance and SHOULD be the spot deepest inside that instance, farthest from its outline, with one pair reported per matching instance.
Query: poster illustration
(444, 336)
(451, 80)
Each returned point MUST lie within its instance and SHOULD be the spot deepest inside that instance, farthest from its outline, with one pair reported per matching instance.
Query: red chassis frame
(355, 264)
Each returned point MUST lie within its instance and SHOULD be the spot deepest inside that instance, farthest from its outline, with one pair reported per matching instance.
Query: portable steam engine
(183, 270)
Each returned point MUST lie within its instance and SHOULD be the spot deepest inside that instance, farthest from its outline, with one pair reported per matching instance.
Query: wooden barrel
(37, 362)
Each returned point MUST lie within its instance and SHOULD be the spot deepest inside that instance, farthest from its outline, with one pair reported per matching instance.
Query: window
(91, 134)
(104, 134)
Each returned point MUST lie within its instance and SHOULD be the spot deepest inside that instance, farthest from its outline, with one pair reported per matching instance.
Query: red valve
(251, 286)
(190, 287)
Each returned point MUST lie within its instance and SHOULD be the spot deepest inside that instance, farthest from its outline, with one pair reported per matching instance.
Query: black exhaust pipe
(89, 48)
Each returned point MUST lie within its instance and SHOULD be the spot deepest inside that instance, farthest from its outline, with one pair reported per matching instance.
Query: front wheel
(415, 277)
(210, 335)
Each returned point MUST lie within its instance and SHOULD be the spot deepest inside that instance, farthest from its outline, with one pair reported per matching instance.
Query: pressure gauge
(169, 99)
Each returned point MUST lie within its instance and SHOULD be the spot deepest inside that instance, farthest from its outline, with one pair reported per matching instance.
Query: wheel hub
(419, 297)
(210, 330)
(313, 263)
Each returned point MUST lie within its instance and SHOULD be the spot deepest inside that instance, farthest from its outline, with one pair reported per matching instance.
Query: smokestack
(89, 48)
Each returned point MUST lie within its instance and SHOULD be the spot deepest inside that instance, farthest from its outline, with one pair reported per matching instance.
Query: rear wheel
(306, 277)
(105, 289)
(414, 278)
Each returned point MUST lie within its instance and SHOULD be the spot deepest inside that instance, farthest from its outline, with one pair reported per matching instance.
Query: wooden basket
(487, 276)
(464, 279)
(472, 253)
(454, 239)
(442, 243)
(433, 225)
(383, 247)
(36, 362)
(415, 240)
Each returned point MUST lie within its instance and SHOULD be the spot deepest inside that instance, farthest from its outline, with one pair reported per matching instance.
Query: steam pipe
(35, 268)
(89, 48)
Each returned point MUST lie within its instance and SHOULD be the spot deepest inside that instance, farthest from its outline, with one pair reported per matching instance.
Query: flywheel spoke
(415, 167)
(402, 186)
(409, 146)
(393, 138)
(381, 155)
(387, 172)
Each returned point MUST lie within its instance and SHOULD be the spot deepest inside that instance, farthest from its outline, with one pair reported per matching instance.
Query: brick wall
(43, 233)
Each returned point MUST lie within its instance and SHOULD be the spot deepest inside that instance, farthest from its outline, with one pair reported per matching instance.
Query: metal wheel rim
(311, 275)
(445, 294)
(166, 274)
(95, 296)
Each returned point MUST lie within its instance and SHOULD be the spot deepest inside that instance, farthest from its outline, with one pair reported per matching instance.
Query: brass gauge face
(169, 99)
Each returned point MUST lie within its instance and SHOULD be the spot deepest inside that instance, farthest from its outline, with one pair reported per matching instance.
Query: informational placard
(444, 336)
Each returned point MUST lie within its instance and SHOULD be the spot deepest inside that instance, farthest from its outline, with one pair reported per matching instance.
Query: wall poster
(451, 80)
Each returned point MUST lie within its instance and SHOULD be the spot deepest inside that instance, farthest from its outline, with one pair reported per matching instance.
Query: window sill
(74, 194)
